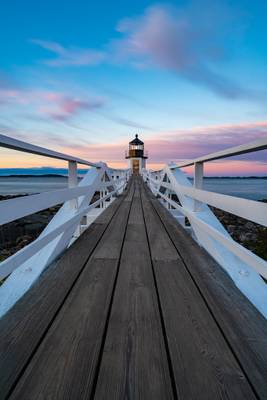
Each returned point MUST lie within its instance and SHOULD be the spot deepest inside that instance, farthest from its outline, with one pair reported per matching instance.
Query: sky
(84, 77)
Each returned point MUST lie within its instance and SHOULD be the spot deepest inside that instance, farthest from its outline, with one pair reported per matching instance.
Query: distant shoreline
(34, 176)
(234, 177)
(65, 176)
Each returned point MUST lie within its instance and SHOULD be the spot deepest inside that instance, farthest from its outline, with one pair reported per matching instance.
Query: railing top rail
(20, 145)
(257, 145)
(119, 169)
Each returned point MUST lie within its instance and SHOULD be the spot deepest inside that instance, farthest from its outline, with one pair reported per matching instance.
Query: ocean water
(35, 184)
(33, 180)
(37, 171)
(249, 188)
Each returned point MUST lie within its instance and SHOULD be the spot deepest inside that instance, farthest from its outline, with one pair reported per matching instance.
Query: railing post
(104, 202)
(198, 182)
(73, 181)
(169, 197)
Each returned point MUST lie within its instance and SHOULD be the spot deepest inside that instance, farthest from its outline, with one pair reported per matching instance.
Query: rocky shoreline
(15, 235)
(247, 233)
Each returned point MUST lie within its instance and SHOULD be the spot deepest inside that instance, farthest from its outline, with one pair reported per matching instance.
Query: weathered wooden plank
(160, 244)
(64, 365)
(134, 363)
(23, 327)
(111, 247)
(243, 326)
(203, 364)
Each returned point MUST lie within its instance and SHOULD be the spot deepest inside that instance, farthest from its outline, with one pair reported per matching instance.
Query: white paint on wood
(198, 183)
(245, 268)
(26, 265)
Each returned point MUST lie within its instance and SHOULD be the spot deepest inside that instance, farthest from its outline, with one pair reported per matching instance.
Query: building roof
(136, 141)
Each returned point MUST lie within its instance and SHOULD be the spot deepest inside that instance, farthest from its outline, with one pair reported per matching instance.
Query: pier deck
(135, 309)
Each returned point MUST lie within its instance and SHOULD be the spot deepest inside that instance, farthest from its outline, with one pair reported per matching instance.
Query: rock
(27, 238)
(231, 229)
(35, 218)
(22, 244)
(249, 225)
(247, 236)
(5, 252)
(34, 228)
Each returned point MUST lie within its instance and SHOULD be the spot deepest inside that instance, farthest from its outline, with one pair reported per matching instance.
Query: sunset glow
(188, 87)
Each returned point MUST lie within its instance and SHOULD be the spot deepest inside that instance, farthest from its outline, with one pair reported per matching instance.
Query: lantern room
(135, 155)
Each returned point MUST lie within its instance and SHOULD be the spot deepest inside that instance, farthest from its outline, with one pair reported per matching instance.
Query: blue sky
(85, 76)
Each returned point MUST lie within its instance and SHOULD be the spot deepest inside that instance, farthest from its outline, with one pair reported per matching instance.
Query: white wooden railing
(191, 201)
(80, 208)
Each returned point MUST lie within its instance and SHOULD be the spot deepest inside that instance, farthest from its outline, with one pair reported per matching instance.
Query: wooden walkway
(133, 310)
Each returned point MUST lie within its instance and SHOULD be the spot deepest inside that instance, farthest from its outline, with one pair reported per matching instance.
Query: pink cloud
(11, 95)
(171, 146)
(50, 96)
(187, 144)
(62, 107)
(55, 105)
(71, 56)
(181, 40)
(184, 41)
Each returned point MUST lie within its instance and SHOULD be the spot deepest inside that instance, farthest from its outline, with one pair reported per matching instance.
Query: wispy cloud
(125, 121)
(189, 42)
(164, 147)
(62, 107)
(179, 145)
(45, 105)
(44, 138)
(191, 143)
(51, 104)
(69, 56)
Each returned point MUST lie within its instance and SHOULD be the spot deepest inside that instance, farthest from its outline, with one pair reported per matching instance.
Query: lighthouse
(135, 155)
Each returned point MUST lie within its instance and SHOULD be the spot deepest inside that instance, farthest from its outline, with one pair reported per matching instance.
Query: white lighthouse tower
(135, 156)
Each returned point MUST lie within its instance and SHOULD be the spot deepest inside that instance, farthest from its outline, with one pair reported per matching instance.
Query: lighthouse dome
(136, 141)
